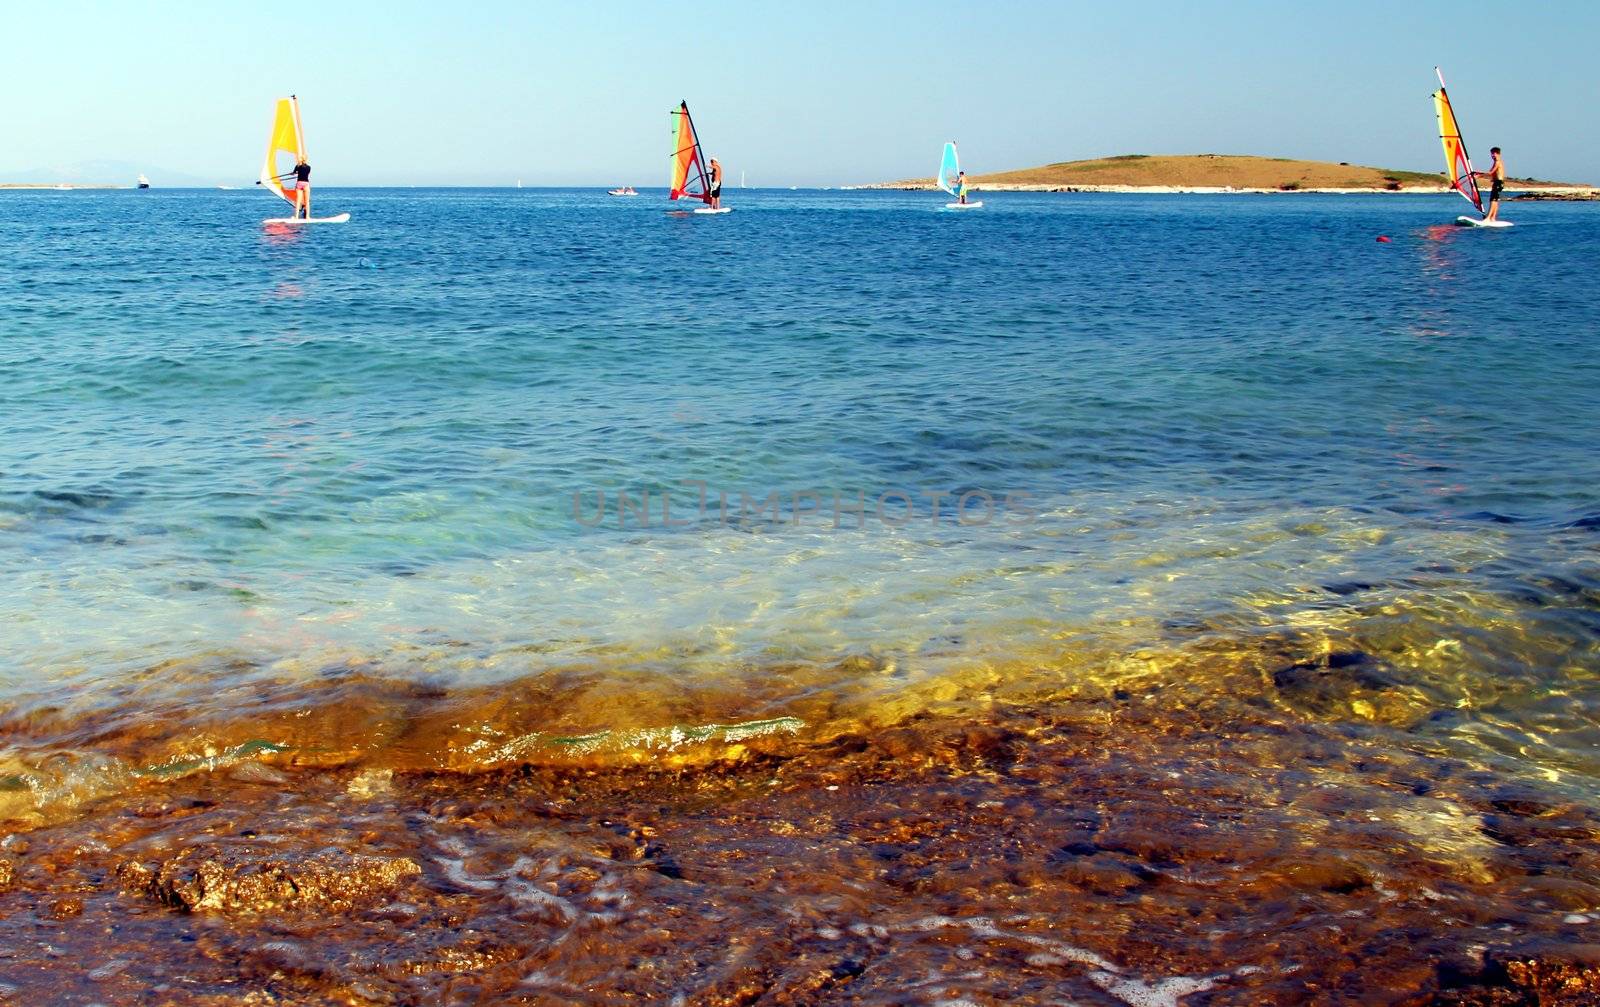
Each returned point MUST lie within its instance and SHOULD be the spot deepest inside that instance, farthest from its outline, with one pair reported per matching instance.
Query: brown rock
(1100, 875)
(67, 908)
(1555, 972)
(231, 881)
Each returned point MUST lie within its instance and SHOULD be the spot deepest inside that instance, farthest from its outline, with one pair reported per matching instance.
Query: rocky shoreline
(1559, 195)
(1135, 850)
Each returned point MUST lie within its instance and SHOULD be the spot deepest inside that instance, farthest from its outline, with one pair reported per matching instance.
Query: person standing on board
(302, 188)
(961, 187)
(1497, 172)
(716, 184)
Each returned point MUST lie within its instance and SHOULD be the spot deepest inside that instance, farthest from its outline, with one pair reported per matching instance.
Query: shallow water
(1087, 435)
(1259, 555)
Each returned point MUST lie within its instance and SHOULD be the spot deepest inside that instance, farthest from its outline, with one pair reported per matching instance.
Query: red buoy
(1383, 238)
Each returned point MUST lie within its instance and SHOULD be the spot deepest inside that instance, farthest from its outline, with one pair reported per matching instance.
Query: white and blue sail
(949, 169)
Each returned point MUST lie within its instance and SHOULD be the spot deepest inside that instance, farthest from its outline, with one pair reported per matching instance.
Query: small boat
(949, 178)
(626, 190)
(689, 178)
(287, 137)
(1458, 166)
(144, 183)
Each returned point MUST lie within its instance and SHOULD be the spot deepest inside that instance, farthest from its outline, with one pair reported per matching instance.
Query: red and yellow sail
(1458, 166)
(688, 162)
(286, 138)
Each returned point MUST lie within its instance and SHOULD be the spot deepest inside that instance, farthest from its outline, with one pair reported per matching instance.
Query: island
(1221, 173)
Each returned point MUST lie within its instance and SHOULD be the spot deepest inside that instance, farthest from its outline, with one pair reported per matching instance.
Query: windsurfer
(961, 187)
(716, 184)
(302, 188)
(1497, 174)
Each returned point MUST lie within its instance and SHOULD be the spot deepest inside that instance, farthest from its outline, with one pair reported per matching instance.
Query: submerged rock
(228, 881)
(1350, 684)
(1535, 974)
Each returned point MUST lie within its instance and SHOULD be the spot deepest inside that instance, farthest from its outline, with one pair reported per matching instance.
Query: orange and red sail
(1458, 166)
(286, 138)
(689, 178)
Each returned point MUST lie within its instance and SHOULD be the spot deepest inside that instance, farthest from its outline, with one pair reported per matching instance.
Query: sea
(493, 478)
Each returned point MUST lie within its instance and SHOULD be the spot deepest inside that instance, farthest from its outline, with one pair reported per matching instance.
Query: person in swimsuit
(716, 184)
(1496, 173)
(302, 188)
(961, 187)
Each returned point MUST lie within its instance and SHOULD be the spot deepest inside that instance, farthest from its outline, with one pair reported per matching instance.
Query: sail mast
(1458, 164)
(299, 130)
(687, 155)
(699, 154)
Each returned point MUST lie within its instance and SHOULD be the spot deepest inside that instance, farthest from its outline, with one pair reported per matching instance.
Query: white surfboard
(1480, 222)
(964, 206)
(707, 209)
(340, 219)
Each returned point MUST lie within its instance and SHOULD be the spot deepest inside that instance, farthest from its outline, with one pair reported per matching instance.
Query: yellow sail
(1458, 166)
(285, 138)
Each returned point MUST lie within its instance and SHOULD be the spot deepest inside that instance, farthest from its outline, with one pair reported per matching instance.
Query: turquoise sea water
(233, 458)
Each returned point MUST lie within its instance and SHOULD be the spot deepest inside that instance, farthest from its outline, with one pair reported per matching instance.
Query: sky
(486, 92)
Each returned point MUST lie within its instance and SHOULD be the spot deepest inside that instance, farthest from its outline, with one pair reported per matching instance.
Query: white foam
(1163, 993)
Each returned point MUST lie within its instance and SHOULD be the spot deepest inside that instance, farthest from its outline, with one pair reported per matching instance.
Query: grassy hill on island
(1239, 171)
(1204, 171)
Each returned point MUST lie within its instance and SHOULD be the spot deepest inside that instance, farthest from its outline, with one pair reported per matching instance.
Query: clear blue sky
(485, 91)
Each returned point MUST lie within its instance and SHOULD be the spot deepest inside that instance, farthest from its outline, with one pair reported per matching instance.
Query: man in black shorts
(1497, 173)
(716, 184)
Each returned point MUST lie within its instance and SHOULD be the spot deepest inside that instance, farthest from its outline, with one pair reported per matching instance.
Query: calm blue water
(229, 454)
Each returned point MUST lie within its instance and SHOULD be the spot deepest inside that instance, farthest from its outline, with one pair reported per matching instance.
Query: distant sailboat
(287, 137)
(741, 179)
(689, 178)
(519, 183)
(1458, 166)
(950, 180)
